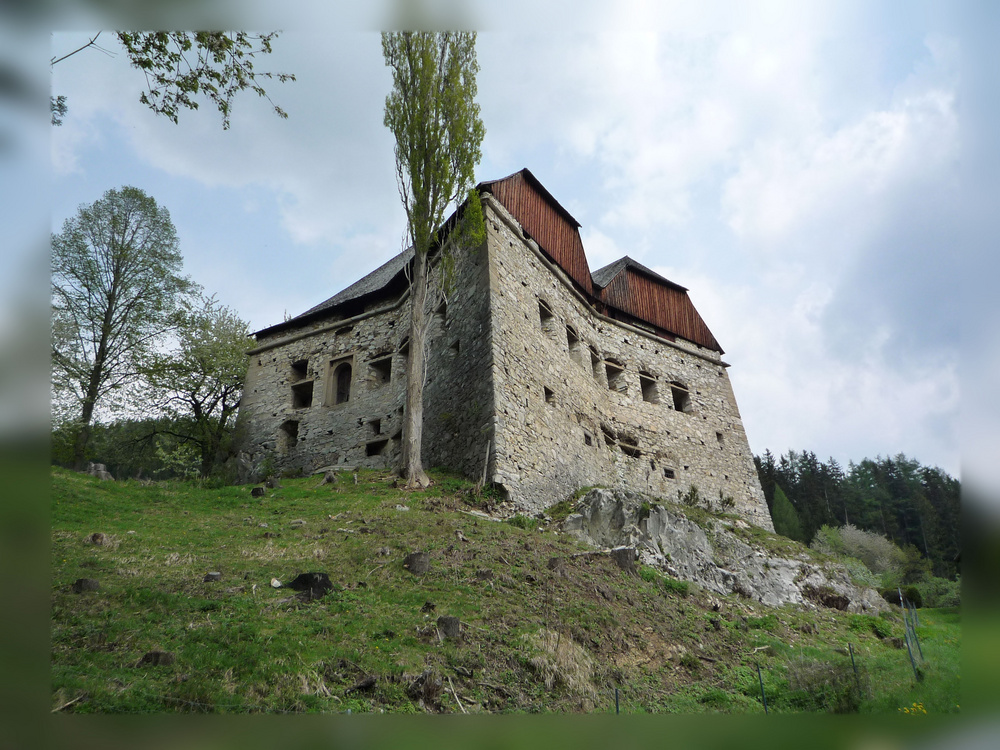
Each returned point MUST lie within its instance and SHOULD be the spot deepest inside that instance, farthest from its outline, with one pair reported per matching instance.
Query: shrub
(877, 553)
(560, 510)
(940, 592)
(913, 596)
(816, 685)
(828, 542)
(766, 622)
(691, 498)
(714, 697)
(648, 574)
(690, 661)
(860, 574)
(672, 585)
(870, 623)
(521, 521)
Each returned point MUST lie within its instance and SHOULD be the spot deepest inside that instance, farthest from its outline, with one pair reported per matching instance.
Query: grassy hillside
(536, 635)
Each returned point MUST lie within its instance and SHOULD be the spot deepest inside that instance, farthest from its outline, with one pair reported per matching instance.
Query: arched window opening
(342, 380)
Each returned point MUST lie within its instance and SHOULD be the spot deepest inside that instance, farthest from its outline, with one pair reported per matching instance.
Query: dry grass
(561, 662)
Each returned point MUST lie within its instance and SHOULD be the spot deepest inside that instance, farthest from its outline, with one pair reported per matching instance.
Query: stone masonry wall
(520, 369)
(291, 410)
(582, 400)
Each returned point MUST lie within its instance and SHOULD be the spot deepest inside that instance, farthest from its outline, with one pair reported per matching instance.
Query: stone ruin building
(542, 376)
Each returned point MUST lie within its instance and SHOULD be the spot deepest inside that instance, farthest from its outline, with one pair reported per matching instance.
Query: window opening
(549, 395)
(668, 473)
(681, 397)
(588, 439)
(288, 435)
(299, 369)
(720, 438)
(375, 448)
(546, 317)
(302, 395)
(575, 345)
(375, 425)
(630, 450)
(381, 371)
(342, 383)
(595, 364)
(647, 383)
(609, 437)
(616, 376)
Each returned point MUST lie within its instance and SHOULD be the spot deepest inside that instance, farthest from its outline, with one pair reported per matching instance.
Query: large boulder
(717, 553)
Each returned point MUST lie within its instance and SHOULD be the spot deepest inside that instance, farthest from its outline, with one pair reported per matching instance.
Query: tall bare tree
(432, 113)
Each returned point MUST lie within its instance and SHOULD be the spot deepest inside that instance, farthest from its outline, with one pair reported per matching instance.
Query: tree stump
(417, 563)
(450, 627)
(157, 659)
(85, 584)
(314, 584)
(624, 558)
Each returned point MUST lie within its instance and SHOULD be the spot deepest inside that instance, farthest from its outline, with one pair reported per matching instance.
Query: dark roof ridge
(604, 276)
(372, 282)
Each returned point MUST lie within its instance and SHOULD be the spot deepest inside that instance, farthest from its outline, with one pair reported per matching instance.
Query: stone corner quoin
(549, 375)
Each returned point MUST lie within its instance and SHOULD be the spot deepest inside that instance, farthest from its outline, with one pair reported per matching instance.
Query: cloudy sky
(795, 165)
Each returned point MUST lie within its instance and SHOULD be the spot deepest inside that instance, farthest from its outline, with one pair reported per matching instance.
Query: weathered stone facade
(528, 374)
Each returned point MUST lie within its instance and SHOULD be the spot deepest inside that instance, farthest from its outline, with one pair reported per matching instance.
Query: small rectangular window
(668, 473)
(595, 364)
(546, 318)
(550, 397)
(647, 383)
(375, 448)
(681, 397)
(575, 345)
(302, 395)
(381, 371)
(299, 370)
(588, 439)
(616, 376)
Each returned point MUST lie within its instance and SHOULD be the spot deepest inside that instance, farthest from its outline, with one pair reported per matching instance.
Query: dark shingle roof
(373, 282)
(377, 280)
(603, 276)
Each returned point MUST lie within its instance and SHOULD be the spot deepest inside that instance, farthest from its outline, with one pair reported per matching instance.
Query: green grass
(536, 638)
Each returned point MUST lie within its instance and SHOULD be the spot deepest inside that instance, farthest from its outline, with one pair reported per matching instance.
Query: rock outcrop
(722, 554)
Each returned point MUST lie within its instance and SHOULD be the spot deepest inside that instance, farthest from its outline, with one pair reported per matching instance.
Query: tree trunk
(413, 425)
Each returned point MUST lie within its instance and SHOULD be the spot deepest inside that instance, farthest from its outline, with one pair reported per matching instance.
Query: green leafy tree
(198, 387)
(116, 292)
(786, 520)
(181, 66)
(432, 113)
